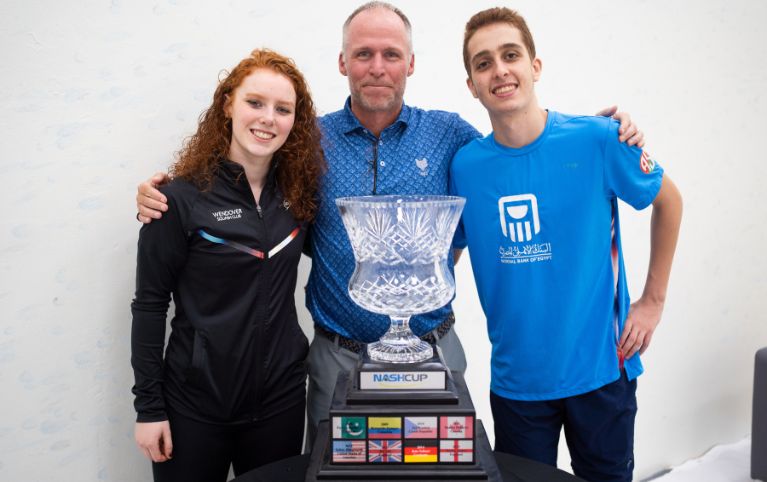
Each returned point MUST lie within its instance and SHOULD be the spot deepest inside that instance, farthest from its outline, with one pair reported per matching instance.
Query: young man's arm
(644, 315)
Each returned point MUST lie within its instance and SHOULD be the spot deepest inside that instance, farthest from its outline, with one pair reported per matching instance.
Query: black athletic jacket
(235, 352)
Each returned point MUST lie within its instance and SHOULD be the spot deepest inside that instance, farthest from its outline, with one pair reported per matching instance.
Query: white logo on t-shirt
(518, 214)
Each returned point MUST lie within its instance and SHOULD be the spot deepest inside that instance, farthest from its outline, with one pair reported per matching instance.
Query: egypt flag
(456, 451)
(420, 451)
(384, 451)
(456, 427)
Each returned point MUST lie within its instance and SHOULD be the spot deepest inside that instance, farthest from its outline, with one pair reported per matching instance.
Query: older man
(374, 145)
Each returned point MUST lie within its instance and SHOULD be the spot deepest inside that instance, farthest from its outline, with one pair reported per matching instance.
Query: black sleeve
(162, 252)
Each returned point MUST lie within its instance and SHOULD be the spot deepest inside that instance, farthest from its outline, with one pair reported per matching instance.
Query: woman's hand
(153, 439)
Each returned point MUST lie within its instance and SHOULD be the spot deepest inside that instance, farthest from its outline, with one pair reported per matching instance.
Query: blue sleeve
(630, 174)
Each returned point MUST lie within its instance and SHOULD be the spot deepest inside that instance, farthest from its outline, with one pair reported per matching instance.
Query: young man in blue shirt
(541, 222)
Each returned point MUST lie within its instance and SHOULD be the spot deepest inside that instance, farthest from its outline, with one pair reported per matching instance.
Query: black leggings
(203, 452)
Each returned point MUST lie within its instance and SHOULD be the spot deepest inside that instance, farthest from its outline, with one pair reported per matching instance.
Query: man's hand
(628, 131)
(643, 318)
(150, 202)
(153, 439)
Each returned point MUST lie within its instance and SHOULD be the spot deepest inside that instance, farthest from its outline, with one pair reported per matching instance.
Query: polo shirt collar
(350, 123)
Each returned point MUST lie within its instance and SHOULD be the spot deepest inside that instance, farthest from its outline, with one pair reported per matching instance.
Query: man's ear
(471, 87)
(341, 64)
(537, 69)
(411, 67)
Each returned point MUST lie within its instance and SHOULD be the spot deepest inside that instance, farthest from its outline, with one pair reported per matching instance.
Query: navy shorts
(599, 429)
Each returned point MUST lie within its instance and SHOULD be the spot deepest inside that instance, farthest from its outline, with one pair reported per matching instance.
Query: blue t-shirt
(541, 225)
(412, 156)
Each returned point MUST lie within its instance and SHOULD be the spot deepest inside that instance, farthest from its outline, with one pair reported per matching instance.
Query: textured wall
(97, 95)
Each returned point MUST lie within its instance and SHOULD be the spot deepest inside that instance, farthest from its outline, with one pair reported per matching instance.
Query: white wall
(96, 96)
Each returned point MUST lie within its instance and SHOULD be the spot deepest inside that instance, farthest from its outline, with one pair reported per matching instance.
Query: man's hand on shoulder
(151, 203)
(628, 131)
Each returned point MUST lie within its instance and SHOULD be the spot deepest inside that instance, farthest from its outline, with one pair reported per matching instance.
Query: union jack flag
(385, 451)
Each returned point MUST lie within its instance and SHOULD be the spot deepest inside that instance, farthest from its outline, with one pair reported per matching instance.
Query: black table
(513, 469)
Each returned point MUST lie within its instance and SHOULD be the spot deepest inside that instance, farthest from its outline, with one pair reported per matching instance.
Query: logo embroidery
(520, 223)
(646, 163)
(423, 165)
(227, 214)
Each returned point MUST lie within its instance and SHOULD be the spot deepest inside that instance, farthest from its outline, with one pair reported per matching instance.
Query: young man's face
(377, 60)
(502, 72)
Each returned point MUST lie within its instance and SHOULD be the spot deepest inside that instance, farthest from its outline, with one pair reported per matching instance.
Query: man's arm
(644, 315)
(151, 203)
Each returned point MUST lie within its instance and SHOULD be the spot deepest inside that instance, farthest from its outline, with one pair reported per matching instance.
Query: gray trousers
(326, 360)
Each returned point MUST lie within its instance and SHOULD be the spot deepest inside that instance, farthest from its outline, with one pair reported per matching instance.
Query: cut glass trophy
(401, 246)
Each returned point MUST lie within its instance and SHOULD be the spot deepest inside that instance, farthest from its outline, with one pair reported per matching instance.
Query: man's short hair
(492, 16)
(372, 6)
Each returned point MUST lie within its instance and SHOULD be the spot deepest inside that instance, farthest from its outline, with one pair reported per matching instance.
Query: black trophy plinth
(401, 434)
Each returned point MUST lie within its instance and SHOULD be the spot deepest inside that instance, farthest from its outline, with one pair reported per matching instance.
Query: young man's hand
(628, 131)
(150, 202)
(153, 439)
(644, 316)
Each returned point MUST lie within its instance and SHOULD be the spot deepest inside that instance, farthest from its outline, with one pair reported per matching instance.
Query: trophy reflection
(401, 246)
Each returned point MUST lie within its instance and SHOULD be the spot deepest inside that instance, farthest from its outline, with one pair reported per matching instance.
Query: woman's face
(262, 109)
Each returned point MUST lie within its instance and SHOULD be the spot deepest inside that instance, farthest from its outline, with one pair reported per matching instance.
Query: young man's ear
(341, 64)
(471, 87)
(537, 68)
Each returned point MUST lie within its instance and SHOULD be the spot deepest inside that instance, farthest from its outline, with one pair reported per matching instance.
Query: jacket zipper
(261, 320)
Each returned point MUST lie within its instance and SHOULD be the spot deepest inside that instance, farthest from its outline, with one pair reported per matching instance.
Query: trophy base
(409, 441)
(400, 350)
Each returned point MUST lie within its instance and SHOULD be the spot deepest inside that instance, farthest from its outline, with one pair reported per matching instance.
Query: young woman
(229, 389)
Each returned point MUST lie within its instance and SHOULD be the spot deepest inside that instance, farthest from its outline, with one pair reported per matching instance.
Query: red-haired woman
(229, 389)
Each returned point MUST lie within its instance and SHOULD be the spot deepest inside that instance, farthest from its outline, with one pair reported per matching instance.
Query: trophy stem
(399, 344)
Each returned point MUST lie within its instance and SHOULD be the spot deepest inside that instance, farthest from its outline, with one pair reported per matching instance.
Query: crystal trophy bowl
(401, 246)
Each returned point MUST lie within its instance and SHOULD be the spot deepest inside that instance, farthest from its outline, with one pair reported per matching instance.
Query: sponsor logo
(384, 427)
(646, 163)
(227, 214)
(420, 427)
(384, 451)
(456, 427)
(348, 451)
(423, 166)
(520, 223)
(349, 427)
(527, 253)
(456, 451)
(419, 452)
(519, 217)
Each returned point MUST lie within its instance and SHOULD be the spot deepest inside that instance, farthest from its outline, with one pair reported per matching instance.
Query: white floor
(723, 463)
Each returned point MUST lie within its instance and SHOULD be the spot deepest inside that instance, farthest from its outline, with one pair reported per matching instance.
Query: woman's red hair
(299, 162)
